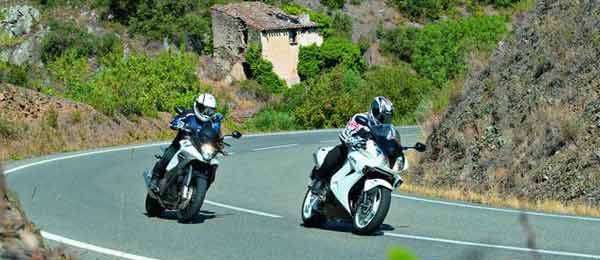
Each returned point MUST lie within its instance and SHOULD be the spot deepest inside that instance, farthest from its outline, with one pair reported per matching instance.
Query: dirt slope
(528, 124)
(32, 123)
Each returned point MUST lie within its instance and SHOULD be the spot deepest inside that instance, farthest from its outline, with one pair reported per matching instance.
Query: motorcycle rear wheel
(188, 213)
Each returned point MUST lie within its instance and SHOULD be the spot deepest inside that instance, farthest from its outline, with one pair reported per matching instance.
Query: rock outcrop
(18, 24)
(19, 19)
(529, 124)
(19, 238)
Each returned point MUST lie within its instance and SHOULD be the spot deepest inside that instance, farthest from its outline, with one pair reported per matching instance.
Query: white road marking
(242, 209)
(495, 209)
(81, 155)
(94, 248)
(465, 243)
(274, 147)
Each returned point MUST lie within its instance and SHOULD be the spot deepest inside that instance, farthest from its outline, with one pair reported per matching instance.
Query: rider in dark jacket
(202, 115)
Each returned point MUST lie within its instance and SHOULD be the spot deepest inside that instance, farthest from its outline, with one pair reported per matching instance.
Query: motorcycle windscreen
(388, 140)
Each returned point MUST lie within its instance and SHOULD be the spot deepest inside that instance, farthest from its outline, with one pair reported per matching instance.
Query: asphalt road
(94, 202)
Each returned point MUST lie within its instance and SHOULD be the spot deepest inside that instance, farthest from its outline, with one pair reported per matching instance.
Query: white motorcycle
(188, 175)
(361, 190)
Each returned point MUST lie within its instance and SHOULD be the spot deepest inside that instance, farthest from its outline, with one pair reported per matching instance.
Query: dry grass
(496, 200)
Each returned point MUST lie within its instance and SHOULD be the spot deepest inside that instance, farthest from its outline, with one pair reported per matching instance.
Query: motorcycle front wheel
(310, 217)
(188, 213)
(371, 209)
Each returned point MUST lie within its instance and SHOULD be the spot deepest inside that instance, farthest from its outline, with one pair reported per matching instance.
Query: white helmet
(205, 106)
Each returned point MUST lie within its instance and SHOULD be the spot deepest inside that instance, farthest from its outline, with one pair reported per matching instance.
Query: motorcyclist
(354, 135)
(202, 115)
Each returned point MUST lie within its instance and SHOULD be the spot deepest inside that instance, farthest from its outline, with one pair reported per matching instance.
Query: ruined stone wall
(253, 36)
(228, 39)
(279, 50)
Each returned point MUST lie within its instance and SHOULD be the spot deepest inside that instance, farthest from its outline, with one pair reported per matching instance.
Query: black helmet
(381, 111)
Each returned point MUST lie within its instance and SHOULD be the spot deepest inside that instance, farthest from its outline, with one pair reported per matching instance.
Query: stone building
(280, 36)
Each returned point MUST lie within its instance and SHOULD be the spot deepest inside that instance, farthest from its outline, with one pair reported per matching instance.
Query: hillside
(527, 125)
(32, 123)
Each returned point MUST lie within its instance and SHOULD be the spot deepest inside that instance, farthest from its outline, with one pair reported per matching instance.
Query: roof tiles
(263, 17)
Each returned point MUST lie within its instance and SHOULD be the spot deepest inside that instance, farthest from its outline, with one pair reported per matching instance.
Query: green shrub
(55, 3)
(183, 22)
(13, 74)
(438, 50)
(331, 99)
(69, 69)
(503, 3)
(341, 25)
(67, 35)
(333, 4)
(310, 62)
(271, 120)
(136, 85)
(334, 51)
(261, 70)
(7, 41)
(402, 87)
(424, 8)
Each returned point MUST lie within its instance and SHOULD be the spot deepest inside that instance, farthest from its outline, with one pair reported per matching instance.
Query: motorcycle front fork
(186, 194)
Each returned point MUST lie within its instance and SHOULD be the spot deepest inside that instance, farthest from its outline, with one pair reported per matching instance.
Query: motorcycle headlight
(207, 151)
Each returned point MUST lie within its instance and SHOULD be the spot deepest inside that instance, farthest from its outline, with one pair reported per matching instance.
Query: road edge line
(90, 247)
(513, 248)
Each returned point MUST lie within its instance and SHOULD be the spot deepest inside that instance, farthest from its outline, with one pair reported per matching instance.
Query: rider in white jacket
(354, 135)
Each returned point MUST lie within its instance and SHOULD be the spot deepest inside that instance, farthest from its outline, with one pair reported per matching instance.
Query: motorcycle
(361, 190)
(188, 175)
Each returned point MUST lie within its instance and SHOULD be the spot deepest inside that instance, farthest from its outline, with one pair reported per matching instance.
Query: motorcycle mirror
(420, 147)
(179, 110)
(236, 134)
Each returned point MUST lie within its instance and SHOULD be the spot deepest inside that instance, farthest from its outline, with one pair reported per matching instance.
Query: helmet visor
(202, 109)
(386, 118)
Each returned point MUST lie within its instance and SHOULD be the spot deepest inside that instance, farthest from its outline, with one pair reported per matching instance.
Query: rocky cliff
(528, 125)
(19, 238)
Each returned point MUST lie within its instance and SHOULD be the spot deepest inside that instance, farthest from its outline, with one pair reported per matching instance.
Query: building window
(293, 37)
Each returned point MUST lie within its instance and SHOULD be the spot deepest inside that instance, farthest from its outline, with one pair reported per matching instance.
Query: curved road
(93, 203)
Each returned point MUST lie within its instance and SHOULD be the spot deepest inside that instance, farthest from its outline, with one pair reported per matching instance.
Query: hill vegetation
(139, 58)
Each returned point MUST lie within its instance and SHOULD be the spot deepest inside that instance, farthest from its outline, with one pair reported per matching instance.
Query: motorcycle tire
(188, 213)
(380, 214)
(313, 219)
